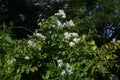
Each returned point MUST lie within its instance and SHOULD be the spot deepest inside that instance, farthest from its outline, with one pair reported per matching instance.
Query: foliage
(100, 15)
(57, 51)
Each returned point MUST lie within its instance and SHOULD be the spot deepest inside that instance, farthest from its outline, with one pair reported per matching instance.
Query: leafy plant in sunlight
(86, 59)
(20, 56)
(56, 51)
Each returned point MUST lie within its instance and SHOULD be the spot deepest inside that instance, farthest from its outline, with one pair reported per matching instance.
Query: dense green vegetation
(59, 40)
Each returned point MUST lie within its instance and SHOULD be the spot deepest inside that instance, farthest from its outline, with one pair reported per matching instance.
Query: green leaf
(18, 70)
(27, 70)
(47, 75)
(94, 47)
(88, 65)
(91, 42)
(33, 69)
(8, 39)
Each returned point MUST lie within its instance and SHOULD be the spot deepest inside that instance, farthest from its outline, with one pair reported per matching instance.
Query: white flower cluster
(61, 13)
(60, 63)
(66, 24)
(68, 69)
(67, 35)
(39, 35)
(71, 44)
(71, 35)
(31, 44)
(27, 57)
(76, 40)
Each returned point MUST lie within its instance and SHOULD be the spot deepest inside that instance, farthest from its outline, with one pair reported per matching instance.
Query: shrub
(56, 51)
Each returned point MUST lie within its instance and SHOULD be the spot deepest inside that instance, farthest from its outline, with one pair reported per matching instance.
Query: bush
(56, 51)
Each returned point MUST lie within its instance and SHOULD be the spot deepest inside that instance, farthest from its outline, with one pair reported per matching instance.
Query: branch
(24, 29)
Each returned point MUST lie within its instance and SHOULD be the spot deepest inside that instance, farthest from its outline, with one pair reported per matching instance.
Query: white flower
(71, 23)
(39, 24)
(31, 44)
(61, 13)
(43, 37)
(67, 35)
(60, 63)
(76, 40)
(65, 24)
(74, 34)
(57, 14)
(63, 16)
(39, 35)
(63, 72)
(68, 66)
(27, 57)
(70, 71)
(71, 44)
